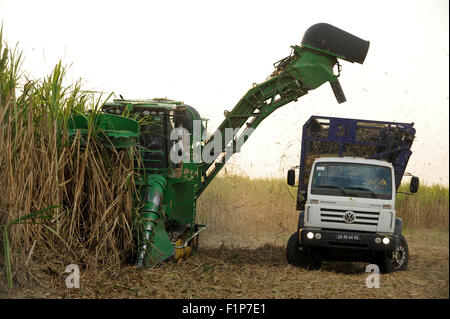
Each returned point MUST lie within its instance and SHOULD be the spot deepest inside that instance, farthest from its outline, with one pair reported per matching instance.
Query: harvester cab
(176, 161)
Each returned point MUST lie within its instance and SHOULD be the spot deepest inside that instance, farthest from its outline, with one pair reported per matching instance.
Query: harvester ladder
(153, 156)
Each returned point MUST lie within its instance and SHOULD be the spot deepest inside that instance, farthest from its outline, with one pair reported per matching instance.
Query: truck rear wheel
(297, 256)
(396, 260)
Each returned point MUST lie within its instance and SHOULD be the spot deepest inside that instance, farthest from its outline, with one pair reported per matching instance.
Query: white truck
(347, 204)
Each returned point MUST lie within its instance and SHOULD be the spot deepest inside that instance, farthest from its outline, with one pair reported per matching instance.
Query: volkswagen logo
(349, 217)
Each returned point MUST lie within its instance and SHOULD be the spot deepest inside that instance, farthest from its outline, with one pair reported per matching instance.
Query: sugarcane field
(225, 155)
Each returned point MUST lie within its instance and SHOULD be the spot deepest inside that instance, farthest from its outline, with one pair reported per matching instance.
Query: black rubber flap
(327, 38)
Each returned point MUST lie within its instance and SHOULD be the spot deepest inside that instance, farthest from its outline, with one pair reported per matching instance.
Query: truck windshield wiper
(333, 186)
(364, 189)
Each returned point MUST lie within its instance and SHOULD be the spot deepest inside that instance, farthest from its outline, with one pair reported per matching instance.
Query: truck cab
(352, 194)
(347, 208)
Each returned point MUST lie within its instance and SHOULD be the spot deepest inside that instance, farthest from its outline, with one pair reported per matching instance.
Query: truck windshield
(350, 179)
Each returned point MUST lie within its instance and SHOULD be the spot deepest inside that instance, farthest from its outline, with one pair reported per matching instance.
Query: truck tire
(396, 260)
(296, 256)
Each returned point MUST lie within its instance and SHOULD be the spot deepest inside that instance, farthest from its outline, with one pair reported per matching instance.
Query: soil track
(236, 272)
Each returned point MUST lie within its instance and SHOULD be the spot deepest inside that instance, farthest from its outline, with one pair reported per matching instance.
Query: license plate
(349, 237)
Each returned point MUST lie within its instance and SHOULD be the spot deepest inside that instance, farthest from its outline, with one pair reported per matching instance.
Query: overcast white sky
(208, 54)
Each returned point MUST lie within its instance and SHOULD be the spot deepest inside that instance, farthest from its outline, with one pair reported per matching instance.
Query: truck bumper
(346, 240)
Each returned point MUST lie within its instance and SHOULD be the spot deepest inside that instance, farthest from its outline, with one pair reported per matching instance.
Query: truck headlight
(310, 235)
(378, 240)
(386, 240)
(318, 236)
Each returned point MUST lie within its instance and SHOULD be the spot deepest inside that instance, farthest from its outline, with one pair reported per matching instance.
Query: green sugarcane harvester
(168, 191)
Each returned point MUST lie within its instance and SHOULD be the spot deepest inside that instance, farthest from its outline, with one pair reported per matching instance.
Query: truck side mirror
(414, 185)
(291, 177)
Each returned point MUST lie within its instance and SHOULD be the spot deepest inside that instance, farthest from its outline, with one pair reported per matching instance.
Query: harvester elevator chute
(308, 67)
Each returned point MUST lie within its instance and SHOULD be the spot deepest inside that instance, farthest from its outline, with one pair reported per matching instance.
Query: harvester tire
(396, 260)
(297, 256)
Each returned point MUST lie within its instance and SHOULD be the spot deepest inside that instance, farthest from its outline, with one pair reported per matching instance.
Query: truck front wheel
(395, 260)
(297, 256)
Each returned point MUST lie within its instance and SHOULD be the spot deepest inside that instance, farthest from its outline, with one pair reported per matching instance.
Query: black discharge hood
(330, 40)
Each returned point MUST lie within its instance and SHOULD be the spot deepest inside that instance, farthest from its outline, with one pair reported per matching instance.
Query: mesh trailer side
(332, 137)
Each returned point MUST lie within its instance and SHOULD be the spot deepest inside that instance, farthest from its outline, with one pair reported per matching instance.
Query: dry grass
(238, 272)
(41, 167)
(428, 208)
(254, 208)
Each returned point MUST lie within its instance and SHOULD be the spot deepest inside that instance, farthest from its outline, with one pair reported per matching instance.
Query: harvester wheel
(182, 253)
(297, 256)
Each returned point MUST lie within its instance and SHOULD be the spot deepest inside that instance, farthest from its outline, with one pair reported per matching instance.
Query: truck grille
(369, 218)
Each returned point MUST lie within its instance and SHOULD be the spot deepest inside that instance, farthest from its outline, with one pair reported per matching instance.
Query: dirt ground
(228, 269)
